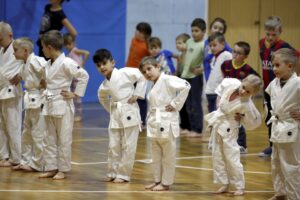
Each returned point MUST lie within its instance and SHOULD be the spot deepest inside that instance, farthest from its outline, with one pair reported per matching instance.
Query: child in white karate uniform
(10, 101)
(32, 73)
(118, 95)
(58, 107)
(284, 91)
(165, 100)
(235, 107)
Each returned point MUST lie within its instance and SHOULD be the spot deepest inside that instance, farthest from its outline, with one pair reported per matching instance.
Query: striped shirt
(266, 55)
(230, 72)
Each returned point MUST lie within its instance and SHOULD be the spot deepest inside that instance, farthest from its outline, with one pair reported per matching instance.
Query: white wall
(168, 18)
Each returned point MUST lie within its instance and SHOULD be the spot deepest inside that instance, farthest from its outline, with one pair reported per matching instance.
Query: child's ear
(113, 62)
(279, 30)
(26, 50)
(290, 66)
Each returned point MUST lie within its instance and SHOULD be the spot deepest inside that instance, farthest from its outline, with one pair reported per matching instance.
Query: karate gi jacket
(167, 90)
(32, 73)
(9, 67)
(59, 76)
(223, 117)
(284, 100)
(114, 94)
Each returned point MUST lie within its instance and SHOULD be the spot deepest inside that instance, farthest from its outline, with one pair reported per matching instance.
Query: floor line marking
(88, 163)
(209, 169)
(132, 191)
(91, 140)
(148, 161)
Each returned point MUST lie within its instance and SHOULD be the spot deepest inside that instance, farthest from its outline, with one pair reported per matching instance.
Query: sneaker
(184, 132)
(265, 153)
(194, 134)
(243, 150)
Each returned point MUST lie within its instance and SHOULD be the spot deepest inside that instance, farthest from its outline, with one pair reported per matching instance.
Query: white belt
(51, 93)
(157, 113)
(275, 117)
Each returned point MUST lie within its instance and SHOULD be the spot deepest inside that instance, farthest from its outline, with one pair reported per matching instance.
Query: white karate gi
(59, 113)
(227, 168)
(285, 137)
(125, 120)
(163, 127)
(34, 123)
(216, 75)
(10, 107)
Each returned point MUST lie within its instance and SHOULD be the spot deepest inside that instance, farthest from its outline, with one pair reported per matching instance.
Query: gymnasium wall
(107, 24)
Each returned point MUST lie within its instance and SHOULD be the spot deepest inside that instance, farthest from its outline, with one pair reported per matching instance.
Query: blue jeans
(242, 138)
(184, 118)
(194, 104)
(143, 109)
(268, 102)
(211, 102)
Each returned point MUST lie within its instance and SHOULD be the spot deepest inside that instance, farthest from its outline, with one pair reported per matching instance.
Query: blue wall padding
(100, 24)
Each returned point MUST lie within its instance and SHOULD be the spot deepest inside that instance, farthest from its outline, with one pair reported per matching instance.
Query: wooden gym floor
(193, 171)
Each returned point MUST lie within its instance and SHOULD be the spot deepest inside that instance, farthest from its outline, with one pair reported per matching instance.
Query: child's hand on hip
(67, 95)
(170, 108)
(295, 115)
(238, 117)
(132, 99)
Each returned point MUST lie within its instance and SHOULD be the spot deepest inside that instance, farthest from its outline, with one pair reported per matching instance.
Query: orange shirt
(138, 50)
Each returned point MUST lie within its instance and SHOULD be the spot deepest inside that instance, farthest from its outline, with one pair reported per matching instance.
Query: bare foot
(161, 187)
(16, 167)
(59, 176)
(150, 186)
(49, 174)
(108, 179)
(222, 189)
(239, 193)
(119, 180)
(5, 163)
(27, 168)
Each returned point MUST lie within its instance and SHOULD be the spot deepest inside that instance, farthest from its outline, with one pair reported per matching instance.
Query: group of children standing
(45, 144)
(230, 84)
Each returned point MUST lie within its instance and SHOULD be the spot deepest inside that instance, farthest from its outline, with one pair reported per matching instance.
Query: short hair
(148, 60)
(222, 21)
(5, 28)
(216, 36)
(255, 81)
(144, 28)
(200, 23)
(63, 1)
(183, 36)
(273, 23)
(102, 56)
(53, 38)
(287, 55)
(24, 42)
(68, 38)
(245, 46)
(154, 42)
